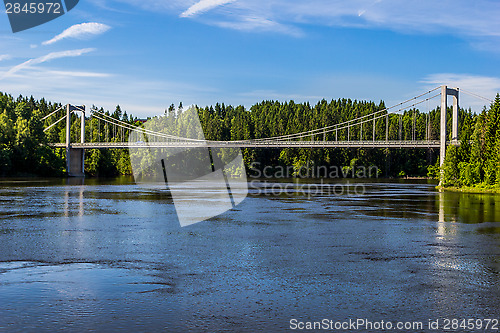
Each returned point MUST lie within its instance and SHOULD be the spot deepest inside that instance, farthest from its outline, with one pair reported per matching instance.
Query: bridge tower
(75, 157)
(445, 92)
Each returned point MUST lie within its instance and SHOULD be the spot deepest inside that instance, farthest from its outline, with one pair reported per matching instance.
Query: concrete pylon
(444, 107)
(68, 139)
(445, 91)
(454, 125)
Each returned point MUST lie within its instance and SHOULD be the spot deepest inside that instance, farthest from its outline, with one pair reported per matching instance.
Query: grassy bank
(472, 189)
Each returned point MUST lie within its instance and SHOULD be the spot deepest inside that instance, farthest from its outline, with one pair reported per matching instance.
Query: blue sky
(145, 55)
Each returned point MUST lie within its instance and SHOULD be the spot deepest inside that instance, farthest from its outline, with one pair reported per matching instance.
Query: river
(108, 255)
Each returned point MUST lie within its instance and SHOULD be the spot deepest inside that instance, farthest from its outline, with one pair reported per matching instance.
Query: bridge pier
(75, 157)
(76, 162)
(445, 91)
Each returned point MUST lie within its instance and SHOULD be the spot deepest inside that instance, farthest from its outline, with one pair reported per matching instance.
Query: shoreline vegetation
(24, 146)
(474, 165)
(471, 189)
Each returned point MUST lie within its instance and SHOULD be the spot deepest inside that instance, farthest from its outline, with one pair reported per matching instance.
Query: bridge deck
(257, 144)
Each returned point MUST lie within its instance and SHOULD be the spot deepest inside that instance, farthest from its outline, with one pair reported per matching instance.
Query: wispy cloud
(82, 30)
(203, 6)
(485, 86)
(455, 17)
(45, 58)
(260, 24)
(476, 18)
(72, 74)
(156, 5)
(141, 96)
(4, 57)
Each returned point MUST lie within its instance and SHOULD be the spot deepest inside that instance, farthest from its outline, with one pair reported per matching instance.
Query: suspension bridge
(316, 138)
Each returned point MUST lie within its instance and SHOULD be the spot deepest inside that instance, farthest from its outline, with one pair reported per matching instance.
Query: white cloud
(260, 24)
(203, 6)
(476, 18)
(141, 96)
(157, 5)
(489, 44)
(4, 57)
(72, 74)
(45, 58)
(80, 31)
(485, 86)
(454, 17)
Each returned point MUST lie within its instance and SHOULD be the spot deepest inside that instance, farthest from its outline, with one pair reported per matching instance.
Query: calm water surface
(107, 255)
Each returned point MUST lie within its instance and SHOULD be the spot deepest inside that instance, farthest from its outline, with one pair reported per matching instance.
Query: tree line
(24, 144)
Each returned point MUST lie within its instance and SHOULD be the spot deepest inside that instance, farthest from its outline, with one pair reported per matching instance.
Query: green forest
(24, 149)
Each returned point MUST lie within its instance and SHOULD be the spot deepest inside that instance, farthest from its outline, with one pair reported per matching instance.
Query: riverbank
(482, 189)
